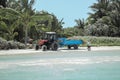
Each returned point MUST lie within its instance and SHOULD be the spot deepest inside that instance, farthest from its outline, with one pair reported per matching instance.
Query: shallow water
(68, 65)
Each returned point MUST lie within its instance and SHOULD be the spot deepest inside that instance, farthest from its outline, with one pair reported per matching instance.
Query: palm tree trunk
(26, 36)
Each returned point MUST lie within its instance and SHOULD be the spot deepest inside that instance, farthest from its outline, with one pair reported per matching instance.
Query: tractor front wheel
(44, 47)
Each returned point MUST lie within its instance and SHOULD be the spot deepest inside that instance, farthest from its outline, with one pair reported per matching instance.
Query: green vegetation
(103, 21)
(20, 22)
(99, 41)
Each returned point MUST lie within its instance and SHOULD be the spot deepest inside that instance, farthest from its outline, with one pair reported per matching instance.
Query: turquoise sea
(68, 65)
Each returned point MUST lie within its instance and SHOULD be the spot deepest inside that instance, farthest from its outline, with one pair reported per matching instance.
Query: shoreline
(33, 51)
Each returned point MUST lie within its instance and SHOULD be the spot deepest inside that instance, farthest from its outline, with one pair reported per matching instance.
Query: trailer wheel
(75, 46)
(69, 47)
(54, 46)
(44, 48)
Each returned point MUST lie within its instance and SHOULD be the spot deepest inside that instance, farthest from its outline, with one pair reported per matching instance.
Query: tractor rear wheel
(54, 46)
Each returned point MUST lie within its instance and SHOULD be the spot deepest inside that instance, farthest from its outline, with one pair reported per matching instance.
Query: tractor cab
(48, 41)
(50, 36)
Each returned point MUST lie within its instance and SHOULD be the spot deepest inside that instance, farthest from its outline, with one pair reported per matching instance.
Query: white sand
(30, 51)
(18, 51)
(105, 48)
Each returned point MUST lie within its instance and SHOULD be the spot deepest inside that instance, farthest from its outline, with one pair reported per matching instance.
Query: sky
(69, 10)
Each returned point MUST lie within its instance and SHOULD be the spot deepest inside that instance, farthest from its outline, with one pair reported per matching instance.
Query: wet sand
(64, 49)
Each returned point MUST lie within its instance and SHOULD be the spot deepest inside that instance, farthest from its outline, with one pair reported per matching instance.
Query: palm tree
(80, 23)
(56, 25)
(47, 22)
(8, 23)
(25, 7)
(115, 15)
(100, 9)
(8, 32)
(79, 28)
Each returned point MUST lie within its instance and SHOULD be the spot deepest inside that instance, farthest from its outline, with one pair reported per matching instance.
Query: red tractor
(48, 42)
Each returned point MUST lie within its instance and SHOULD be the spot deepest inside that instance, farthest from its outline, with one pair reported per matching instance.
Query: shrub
(99, 41)
(4, 44)
(12, 45)
(20, 45)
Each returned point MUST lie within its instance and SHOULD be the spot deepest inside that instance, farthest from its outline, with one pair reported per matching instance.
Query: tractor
(48, 41)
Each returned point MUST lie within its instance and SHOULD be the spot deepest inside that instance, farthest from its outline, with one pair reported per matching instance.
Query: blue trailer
(70, 43)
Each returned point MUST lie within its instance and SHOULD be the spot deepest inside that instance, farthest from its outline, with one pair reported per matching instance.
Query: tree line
(19, 21)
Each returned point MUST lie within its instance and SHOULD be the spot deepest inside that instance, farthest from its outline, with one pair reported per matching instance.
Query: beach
(64, 49)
